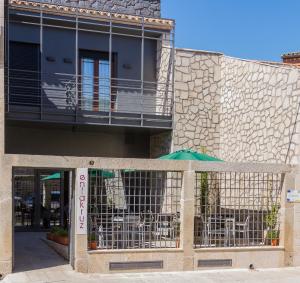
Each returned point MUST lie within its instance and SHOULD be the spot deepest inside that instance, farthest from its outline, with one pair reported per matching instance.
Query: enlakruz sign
(81, 200)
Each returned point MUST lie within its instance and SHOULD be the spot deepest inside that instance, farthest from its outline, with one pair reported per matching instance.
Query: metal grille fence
(237, 209)
(131, 209)
(23, 184)
(37, 202)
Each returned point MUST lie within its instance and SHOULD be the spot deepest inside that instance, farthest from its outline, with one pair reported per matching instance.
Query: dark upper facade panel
(148, 8)
(88, 66)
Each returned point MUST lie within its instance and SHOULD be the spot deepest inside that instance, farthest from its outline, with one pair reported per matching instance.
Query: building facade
(115, 71)
(82, 80)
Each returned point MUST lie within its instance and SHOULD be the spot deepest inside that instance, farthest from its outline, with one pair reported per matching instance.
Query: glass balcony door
(95, 81)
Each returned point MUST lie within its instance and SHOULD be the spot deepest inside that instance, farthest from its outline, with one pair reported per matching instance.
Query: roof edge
(67, 9)
(200, 51)
(290, 55)
(265, 63)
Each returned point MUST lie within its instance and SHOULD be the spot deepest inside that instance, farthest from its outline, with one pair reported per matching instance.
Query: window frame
(97, 56)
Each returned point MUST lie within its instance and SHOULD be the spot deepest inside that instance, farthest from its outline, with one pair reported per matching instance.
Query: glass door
(95, 81)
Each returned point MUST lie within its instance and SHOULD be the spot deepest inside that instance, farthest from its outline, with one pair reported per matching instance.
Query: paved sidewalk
(32, 253)
(64, 274)
(37, 263)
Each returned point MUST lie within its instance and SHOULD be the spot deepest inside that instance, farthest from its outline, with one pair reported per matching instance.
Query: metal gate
(40, 199)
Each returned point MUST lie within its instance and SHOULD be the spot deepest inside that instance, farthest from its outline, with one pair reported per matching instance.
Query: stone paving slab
(37, 263)
(64, 274)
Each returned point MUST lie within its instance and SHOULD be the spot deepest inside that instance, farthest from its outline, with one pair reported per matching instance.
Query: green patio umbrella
(102, 173)
(54, 176)
(94, 173)
(188, 154)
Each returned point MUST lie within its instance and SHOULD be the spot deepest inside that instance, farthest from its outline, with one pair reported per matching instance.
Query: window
(24, 74)
(95, 86)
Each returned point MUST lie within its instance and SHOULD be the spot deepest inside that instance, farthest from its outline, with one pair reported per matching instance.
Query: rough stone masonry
(239, 110)
(148, 8)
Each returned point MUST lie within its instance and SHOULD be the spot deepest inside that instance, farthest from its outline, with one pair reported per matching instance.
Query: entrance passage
(32, 252)
(41, 199)
(41, 205)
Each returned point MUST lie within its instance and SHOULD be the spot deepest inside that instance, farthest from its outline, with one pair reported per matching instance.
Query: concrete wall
(6, 201)
(134, 7)
(58, 140)
(183, 258)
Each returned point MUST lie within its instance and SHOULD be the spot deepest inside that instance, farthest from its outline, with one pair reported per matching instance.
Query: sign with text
(293, 196)
(81, 200)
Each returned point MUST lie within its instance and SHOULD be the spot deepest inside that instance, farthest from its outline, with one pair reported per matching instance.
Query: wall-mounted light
(67, 60)
(127, 66)
(50, 59)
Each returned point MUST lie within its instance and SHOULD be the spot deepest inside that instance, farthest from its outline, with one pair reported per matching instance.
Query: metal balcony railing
(57, 97)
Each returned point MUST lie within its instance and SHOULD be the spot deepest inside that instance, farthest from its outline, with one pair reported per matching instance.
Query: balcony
(87, 100)
(82, 66)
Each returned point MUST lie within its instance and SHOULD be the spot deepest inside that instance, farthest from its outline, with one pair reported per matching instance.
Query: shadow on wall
(77, 141)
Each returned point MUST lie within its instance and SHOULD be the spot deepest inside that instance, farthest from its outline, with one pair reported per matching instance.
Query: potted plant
(50, 236)
(273, 237)
(58, 235)
(272, 233)
(92, 242)
(62, 237)
(52, 233)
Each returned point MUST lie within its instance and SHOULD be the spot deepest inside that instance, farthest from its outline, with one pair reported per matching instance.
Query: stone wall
(238, 110)
(148, 8)
(197, 99)
(259, 102)
(164, 75)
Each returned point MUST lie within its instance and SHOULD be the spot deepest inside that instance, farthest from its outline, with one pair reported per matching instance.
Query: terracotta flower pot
(50, 236)
(177, 243)
(62, 240)
(275, 242)
(55, 238)
(93, 245)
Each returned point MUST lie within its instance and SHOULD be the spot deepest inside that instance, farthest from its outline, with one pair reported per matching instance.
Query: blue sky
(253, 29)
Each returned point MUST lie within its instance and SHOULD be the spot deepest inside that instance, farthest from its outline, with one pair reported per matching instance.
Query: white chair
(164, 228)
(243, 228)
(216, 230)
(230, 231)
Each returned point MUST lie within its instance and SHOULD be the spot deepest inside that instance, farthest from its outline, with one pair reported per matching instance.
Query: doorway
(41, 206)
(96, 73)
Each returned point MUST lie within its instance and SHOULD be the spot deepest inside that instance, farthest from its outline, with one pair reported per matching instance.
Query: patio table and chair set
(135, 231)
(223, 230)
(142, 208)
